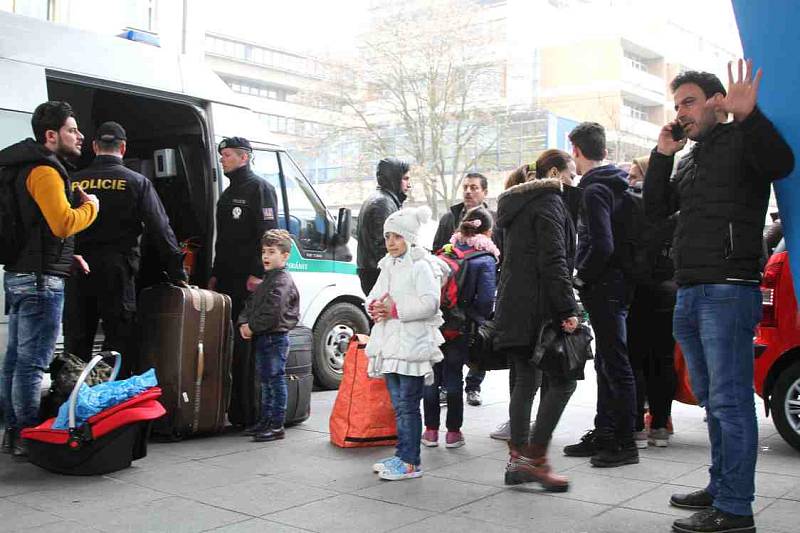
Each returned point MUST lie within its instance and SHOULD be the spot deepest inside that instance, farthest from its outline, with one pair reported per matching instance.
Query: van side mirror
(343, 226)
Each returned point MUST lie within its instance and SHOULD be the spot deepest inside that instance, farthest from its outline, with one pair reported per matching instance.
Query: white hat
(406, 222)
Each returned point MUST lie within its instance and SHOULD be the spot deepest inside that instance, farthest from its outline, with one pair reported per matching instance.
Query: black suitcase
(299, 379)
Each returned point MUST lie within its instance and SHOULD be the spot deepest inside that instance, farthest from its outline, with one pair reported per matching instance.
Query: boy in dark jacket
(268, 315)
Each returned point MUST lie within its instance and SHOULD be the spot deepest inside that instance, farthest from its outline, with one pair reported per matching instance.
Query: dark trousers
(448, 374)
(108, 294)
(474, 380)
(243, 407)
(528, 379)
(368, 277)
(651, 348)
(607, 304)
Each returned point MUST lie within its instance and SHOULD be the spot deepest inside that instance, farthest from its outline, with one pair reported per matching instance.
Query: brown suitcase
(187, 337)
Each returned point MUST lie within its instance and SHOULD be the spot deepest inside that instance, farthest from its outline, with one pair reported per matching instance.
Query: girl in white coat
(404, 343)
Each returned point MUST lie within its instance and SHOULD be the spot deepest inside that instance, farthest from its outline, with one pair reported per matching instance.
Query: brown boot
(528, 464)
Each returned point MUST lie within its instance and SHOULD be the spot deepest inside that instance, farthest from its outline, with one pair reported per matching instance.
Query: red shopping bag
(363, 413)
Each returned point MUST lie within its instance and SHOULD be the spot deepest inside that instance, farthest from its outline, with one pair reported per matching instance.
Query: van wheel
(332, 333)
(785, 405)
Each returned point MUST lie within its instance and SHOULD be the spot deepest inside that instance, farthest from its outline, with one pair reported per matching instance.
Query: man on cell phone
(721, 190)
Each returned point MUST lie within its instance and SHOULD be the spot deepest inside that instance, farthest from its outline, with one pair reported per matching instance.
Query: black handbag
(482, 355)
(560, 353)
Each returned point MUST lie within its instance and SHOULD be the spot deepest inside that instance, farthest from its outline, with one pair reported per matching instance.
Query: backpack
(12, 231)
(641, 246)
(452, 305)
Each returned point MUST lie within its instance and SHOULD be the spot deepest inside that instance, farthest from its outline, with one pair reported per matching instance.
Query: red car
(777, 348)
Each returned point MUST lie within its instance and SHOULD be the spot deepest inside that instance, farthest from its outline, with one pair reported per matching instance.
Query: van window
(307, 215)
(14, 127)
(265, 164)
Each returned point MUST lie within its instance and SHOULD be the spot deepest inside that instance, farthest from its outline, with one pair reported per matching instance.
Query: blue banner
(770, 33)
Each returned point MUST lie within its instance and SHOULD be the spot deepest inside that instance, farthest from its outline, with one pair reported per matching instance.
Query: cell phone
(678, 132)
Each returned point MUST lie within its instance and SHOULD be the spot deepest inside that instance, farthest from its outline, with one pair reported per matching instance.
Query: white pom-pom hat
(407, 221)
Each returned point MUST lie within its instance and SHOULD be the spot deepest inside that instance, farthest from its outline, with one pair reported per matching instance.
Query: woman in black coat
(535, 285)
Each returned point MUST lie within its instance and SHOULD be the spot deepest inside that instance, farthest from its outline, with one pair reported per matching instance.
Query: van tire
(787, 385)
(332, 331)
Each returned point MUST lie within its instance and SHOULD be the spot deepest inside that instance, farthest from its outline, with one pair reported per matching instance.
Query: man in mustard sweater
(34, 282)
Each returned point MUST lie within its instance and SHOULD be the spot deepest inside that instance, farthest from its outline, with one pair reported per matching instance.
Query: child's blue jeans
(406, 394)
(272, 349)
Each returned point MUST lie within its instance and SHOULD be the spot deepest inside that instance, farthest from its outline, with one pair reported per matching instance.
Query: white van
(176, 111)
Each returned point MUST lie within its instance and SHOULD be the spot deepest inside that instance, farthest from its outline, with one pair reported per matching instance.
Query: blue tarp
(92, 400)
(770, 33)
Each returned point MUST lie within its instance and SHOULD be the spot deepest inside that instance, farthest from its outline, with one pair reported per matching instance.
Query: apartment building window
(634, 110)
(637, 62)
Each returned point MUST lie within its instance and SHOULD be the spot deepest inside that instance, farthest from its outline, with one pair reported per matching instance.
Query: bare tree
(427, 68)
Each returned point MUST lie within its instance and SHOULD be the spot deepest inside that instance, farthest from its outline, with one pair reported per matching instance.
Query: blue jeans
(474, 380)
(448, 374)
(406, 394)
(34, 321)
(714, 325)
(607, 302)
(272, 350)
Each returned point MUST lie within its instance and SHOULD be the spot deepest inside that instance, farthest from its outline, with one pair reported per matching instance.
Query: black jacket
(128, 203)
(274, 307)
(43, 251)
(536, 278)
(387, 199)
(452, 219)
(603, 188)
(721, 190)
(246, 209)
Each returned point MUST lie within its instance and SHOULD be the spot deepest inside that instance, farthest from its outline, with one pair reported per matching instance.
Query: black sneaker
(474, 398)
(714, 521)
(270, 435)
(699, 499)
(615, 454)
(9, 436)
(259, 427)
(587, 446)
(20, 450)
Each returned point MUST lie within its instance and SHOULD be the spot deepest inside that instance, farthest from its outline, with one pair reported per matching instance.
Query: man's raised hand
(743, 91)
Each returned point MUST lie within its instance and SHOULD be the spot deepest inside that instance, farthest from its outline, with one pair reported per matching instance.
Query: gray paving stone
(76, 501)
(532, 512)
(626, 521)
(61, 526)
(648, 469)
(657, 501)
(331, 474)
(262, 461)
(256, 525)
(183, 478)
(15, 516)
(19, 478)
(429, 493)
(171, 515)
(589, 487)
(455, 524)
(260, 496)
(767, 484)
(347, 513)
(782, 515)
(474, 470)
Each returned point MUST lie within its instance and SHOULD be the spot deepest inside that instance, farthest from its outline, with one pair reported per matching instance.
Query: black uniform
(128, 204)
(246, 209)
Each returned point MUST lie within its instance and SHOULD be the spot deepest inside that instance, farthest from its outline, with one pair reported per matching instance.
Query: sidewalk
(229, 484)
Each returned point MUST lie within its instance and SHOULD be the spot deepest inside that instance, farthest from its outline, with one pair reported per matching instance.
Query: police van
(175, 111)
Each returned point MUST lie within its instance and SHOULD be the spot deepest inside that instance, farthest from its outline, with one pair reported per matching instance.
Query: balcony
(645, 88)
(643, 129)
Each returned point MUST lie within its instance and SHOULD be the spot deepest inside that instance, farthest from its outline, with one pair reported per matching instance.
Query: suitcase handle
(201, 363)
(73, 396)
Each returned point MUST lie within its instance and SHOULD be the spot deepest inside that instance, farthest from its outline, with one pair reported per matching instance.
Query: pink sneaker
(454, 439)
(430, 438)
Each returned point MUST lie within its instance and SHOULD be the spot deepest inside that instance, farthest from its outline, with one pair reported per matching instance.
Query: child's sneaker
(381, 465)
(430, 438)
(454, 439)
(396, 470)
(659, 437)
(640, 438)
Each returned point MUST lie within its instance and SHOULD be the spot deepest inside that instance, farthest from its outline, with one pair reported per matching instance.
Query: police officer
(108, 251)
(246, 209)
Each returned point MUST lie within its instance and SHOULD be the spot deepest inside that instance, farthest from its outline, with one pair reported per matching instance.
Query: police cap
(110, 132)
(239, 143)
